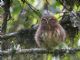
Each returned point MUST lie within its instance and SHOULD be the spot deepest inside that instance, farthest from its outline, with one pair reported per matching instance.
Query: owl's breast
(50, 39)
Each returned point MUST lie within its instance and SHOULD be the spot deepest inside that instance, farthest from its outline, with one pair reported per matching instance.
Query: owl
(49, 33)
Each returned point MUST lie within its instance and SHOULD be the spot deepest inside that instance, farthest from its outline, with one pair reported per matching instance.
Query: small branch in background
(8, 35)
(21, 32)
(67, 5)
(4, 24)
(7, 15)
(32, 8)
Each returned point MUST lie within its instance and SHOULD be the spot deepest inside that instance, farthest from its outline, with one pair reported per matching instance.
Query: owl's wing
(62, 32)
(38, 36)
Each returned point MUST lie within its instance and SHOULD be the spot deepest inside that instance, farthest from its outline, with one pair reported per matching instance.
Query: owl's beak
(47, 21)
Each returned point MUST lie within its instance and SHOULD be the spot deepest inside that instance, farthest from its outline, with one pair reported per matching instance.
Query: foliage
(26, 13)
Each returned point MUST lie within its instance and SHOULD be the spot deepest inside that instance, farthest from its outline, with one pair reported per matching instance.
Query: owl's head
(48, 19)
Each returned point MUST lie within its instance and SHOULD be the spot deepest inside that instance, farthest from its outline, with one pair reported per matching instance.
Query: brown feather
(49, 33)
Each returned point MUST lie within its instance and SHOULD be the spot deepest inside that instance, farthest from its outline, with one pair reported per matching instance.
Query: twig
(33, 8)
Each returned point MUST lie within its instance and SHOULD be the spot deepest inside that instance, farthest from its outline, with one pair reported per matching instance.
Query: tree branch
(40, 51)
(21, 32)
(9, 35)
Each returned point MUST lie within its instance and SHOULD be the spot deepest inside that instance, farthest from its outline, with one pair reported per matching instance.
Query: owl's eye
(52, 19)
(44, 20)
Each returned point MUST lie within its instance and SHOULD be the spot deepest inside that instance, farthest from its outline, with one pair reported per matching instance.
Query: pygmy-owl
(49, 33)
